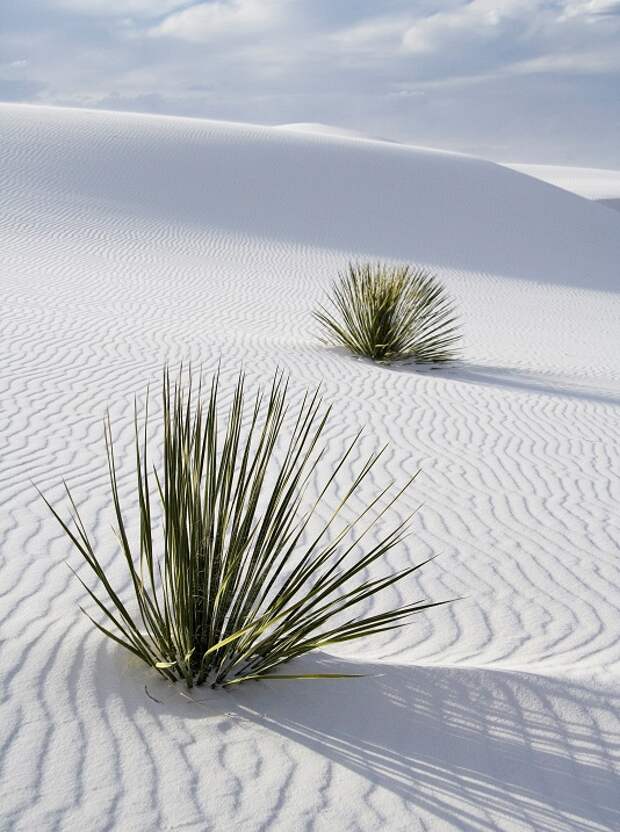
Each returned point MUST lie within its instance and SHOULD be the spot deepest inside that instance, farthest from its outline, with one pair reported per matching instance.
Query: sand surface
(130, 240)
(591, 183)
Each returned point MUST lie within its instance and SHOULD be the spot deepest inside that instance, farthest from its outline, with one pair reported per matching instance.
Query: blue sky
(512, 80)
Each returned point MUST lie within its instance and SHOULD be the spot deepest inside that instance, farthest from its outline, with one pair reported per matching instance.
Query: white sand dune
(318, 128)
(591, 183)
(130, 240)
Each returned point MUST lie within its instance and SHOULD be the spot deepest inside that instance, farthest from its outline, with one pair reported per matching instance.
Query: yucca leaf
(278, 676)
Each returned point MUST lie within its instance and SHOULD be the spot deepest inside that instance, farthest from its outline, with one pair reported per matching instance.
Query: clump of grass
(390, 313)
(236, 585)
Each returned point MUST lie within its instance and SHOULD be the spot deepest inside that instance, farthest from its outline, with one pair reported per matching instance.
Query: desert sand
(591, 183)
(132, 240)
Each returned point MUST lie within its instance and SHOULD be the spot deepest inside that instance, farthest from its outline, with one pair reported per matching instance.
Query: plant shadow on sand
(475, 748)
(515, 379)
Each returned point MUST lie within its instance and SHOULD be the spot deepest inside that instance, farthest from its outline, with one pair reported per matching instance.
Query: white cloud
(574, 8)
(479, 20)
(517, 36)
(371, 33)
(141, 8)
(601, 61)
(222, 18)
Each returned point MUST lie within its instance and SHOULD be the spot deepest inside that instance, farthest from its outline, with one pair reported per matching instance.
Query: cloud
(12, 89)
(479, 21)
(601, 61)
(591, 8)
(386, 31)
(141, 8)
(504, 36)
(222, 18)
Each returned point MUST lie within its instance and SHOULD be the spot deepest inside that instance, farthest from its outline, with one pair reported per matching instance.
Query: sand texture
(130, 240)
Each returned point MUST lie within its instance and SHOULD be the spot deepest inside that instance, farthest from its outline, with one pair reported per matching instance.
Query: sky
(512, 80)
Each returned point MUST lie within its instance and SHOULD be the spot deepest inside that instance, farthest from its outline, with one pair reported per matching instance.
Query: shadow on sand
(470, 748)
(514, 379)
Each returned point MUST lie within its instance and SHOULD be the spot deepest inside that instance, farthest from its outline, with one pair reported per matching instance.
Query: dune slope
(591, 183)
(130, 240)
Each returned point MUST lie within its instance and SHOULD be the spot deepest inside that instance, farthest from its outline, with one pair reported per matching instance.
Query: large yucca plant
(235, 584)
(390, 313)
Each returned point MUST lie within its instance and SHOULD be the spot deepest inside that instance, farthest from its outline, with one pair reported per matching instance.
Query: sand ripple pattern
(128, 241)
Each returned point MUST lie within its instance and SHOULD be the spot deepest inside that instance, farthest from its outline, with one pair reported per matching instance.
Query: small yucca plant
(390, 313)
(235, 584)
